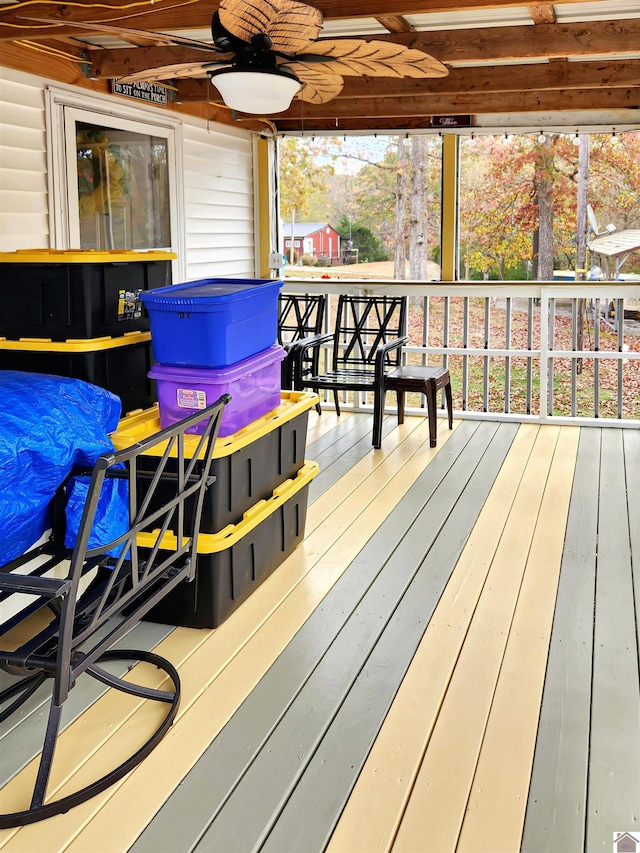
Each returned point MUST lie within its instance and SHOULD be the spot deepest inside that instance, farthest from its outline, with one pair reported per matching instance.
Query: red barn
(313, 238)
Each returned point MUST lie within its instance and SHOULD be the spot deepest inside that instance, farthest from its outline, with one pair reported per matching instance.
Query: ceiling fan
(265, 52)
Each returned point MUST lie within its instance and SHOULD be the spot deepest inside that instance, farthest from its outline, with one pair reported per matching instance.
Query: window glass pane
(123, 189)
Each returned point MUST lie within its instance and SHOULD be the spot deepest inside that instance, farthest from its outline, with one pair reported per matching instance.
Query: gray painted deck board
(555, 818)
(614, 768)
(259, 716)
(631, 440)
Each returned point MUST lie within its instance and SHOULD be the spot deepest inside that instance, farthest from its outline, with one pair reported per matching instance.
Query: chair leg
(46, 759)
(378, 407)
(430, 392)
(400, 399)
(336, 403)
(447, 394)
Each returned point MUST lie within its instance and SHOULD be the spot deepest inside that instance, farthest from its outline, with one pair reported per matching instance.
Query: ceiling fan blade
(310, 58)
(291, 26)
(141, 38)
(178, 71)
(355, 57)
(318, 87)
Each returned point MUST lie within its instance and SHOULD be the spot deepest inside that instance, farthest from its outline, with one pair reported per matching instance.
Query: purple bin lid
(232, 371)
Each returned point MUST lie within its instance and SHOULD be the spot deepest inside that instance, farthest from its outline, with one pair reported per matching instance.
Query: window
(114, 181)
(122, 189)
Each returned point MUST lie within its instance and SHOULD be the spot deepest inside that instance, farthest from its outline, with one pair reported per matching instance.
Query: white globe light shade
(262, 92)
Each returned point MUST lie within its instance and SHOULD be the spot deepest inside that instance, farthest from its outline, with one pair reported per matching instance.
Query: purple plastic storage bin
(254, 385)
(214, 322)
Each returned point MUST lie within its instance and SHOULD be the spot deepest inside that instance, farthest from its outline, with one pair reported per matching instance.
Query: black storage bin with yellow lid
(118, 364)
(231, 564)
(248, 465)
(72, 294)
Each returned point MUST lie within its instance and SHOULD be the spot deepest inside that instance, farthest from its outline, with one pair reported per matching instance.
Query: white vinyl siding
(219, 201)
(218, 186)
(24, 204)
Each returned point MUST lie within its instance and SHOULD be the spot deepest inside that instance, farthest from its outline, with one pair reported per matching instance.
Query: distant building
(313, 238)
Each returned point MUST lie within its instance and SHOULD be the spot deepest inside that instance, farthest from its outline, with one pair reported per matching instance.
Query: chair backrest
(124, 572)
(299, 316)
(362, 324)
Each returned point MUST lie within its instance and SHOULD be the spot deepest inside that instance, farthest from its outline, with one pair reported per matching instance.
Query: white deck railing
(515, 350)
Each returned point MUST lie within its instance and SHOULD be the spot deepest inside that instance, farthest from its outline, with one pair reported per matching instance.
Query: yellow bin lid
(136, 426)
(212, 543)
(73, 344)
(82, 256)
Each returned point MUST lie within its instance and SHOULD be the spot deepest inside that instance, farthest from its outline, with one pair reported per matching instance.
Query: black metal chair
(368, 338)
(99, 597)
(300, 316)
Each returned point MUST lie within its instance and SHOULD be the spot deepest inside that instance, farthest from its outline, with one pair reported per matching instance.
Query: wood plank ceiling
(570, 64)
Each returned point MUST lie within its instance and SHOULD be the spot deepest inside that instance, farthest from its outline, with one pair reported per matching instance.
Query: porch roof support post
(450, 195)
(267, 238)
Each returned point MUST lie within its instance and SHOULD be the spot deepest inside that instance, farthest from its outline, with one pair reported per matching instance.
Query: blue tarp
(49, 425)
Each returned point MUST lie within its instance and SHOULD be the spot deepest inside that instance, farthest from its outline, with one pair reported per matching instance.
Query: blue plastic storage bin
(214, 322)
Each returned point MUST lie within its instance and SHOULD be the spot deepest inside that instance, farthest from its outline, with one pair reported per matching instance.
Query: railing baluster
(465, 358)
(530, 358)
(507, 361)
(485, 378)
(552, 335)
(574, 361)
(596, 362)
(620, 349)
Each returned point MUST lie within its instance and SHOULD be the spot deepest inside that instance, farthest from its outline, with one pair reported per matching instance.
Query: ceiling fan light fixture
(269, 90)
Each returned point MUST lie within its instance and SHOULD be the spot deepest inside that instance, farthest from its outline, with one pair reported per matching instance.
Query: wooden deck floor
(449, 662)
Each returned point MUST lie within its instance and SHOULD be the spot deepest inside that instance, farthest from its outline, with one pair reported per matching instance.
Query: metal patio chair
(300, 316)
(368, 338)
(102, 591)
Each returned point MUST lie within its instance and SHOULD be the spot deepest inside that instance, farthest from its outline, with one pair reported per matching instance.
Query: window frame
(63, 109)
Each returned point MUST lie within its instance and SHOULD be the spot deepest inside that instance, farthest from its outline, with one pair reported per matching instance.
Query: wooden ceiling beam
(543, 13)
(395, 24)
(480, 81)
(489, 44)
(169, 15)
(416, 112)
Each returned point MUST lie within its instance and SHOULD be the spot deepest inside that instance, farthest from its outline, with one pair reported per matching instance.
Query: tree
(418, 213)
(399, 243)
(368, 245)
(543, 182)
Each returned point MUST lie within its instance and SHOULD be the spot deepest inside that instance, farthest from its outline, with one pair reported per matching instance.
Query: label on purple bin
(191, 399)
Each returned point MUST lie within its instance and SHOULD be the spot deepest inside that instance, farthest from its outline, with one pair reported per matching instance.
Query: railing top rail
(531, 289)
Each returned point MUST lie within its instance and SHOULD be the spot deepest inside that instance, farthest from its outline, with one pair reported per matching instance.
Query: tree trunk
(293, 231)
(399, 243)
(418, 212)
(543, 183)
(581, 238)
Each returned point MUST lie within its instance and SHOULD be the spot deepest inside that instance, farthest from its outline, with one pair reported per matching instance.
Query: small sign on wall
(152, 93)
(451, 121)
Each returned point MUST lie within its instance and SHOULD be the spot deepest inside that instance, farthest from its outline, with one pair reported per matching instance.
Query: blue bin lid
(208, 292)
